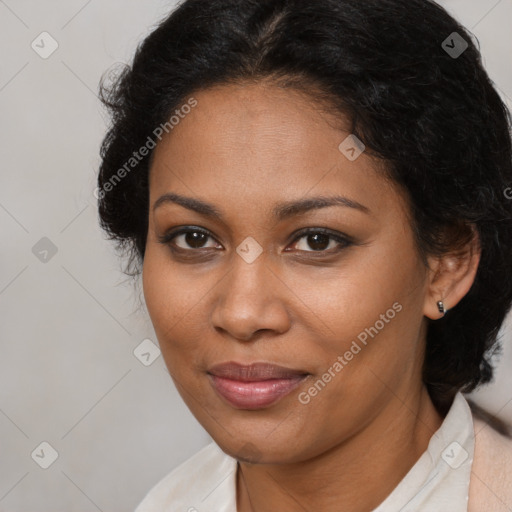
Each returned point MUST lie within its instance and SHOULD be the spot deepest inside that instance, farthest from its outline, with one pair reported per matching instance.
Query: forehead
(257, 144)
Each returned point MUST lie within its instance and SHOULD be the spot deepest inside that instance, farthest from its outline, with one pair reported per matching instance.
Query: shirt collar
(439, 480)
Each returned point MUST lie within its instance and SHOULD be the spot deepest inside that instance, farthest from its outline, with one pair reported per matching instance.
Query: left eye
(318, 241)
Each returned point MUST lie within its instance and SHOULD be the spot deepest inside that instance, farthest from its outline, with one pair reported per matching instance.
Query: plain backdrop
(69, 320)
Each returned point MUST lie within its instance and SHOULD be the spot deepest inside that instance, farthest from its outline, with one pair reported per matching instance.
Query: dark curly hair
(432, 116)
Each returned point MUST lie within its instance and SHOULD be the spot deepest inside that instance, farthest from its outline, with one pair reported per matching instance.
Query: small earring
(441, 307)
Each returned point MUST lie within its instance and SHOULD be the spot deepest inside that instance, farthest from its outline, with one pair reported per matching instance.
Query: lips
(254, 386)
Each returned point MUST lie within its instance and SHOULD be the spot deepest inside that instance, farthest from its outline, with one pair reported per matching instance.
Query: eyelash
(343, 240)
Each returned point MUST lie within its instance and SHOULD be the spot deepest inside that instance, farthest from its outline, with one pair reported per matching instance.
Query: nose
(250, 299)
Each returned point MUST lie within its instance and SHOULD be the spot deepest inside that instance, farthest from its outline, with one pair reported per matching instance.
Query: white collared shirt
(438, 481)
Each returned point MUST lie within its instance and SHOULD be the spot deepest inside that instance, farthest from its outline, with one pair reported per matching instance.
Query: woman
(315, 196)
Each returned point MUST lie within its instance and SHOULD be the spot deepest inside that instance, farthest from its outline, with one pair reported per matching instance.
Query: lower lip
(254, 395)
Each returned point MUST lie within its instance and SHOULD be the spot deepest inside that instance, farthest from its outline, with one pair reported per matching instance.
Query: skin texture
(245, 148)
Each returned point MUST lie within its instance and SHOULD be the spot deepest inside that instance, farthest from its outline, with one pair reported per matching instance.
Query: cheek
(159, 292)
(170, 290)
(175, 298)
(345, 300)
(369, 312)
(169, 297)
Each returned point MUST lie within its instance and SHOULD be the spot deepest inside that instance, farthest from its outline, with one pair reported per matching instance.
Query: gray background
(69, 325)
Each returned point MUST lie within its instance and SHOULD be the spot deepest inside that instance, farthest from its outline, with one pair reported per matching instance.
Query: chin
(259, 451)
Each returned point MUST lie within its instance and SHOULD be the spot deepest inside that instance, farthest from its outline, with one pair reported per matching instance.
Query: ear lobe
(451, 277)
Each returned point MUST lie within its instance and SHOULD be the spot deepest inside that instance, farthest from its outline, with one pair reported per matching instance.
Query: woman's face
(335, 293)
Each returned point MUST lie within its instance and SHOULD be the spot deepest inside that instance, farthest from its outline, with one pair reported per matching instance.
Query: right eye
(187, 239)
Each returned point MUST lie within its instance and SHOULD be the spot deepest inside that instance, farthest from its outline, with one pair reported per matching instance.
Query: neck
(360, 472)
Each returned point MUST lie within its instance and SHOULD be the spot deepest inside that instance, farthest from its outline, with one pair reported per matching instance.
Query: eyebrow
(281, 211)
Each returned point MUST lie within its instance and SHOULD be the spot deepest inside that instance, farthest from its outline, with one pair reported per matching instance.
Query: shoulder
(193, 482)
(491, 476)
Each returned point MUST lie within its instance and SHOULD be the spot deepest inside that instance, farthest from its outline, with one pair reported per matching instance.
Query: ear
(451, 276)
